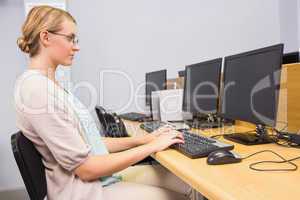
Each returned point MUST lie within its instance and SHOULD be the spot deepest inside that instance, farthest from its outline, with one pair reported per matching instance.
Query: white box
(170, 105)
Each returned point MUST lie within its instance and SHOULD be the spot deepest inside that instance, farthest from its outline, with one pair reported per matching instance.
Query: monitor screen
(201, 87)
(251, 83)
(155, 81)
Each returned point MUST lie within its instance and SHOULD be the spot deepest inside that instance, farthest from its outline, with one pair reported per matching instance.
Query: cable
(288, 138)
(283, 144)
(276, 140)
(251, 166)
(293, 159)
(289, 161)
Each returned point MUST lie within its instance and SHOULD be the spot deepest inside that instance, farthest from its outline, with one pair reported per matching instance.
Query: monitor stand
(260, 136)
(208, 121)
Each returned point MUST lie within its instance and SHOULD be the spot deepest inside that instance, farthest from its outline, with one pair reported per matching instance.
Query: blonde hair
(40, 18)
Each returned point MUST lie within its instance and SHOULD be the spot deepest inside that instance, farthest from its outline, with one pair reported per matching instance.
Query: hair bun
(23, 44)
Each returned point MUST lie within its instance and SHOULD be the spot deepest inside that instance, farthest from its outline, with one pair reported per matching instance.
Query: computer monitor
(292, 57)
(201, 87)
(251, 87)
(155, 81)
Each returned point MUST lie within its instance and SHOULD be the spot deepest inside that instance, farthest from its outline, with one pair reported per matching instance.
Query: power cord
(283, 160)
(278, 136)
(287, 139)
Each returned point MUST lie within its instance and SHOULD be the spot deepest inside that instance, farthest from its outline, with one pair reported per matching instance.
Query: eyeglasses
(70, 38)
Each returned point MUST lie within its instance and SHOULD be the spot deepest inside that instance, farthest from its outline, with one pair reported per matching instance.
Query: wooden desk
(293, 96)
(233, 181)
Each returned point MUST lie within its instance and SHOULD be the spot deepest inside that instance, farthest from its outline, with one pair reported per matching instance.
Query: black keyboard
(133, 116)
(198, 146)
(152, 126)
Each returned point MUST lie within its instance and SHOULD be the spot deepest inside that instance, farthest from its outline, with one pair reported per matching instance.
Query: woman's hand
(152, 136)
(166, 138)
(161, 130)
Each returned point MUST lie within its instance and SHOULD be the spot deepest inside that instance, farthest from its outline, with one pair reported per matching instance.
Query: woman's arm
(120, 144)
(99, 166)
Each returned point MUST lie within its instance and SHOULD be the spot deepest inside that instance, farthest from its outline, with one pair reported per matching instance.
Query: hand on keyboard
(150, 137)
(166, 138)
(170, 126)
(166, 129)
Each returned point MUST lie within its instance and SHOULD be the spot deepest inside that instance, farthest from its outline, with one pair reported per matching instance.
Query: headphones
(112, 124)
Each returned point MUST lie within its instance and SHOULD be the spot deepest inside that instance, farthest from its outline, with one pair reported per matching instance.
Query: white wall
(289, 33)
(298, 11)
(12, 63)
(135, 36)
(140, 36)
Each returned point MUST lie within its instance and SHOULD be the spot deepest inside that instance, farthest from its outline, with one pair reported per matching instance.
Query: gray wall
(289, 34)
(298, 24)
(140, 36)
(135, 37)
(12, 63)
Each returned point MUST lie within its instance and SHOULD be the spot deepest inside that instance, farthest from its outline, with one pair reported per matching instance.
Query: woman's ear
(44, 38)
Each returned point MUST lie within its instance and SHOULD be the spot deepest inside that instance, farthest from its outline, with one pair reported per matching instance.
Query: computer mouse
(220, 157)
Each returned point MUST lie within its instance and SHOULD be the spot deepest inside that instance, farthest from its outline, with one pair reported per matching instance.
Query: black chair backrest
(30, 165)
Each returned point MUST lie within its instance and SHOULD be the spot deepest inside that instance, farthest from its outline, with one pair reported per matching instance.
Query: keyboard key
(197, 146)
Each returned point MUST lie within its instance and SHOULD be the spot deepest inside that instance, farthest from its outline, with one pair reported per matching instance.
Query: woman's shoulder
(31, 80)
(32, 86)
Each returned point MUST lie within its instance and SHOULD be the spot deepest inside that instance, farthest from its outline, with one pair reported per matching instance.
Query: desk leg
(197, 196)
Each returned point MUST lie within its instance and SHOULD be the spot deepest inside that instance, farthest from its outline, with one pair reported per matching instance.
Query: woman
(77, 162)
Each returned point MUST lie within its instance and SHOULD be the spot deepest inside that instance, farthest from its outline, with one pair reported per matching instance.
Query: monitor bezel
(277, 47)
(147, 80)
(188, 67)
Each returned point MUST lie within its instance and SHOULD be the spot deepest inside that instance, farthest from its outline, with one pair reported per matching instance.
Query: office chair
(30, 165)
